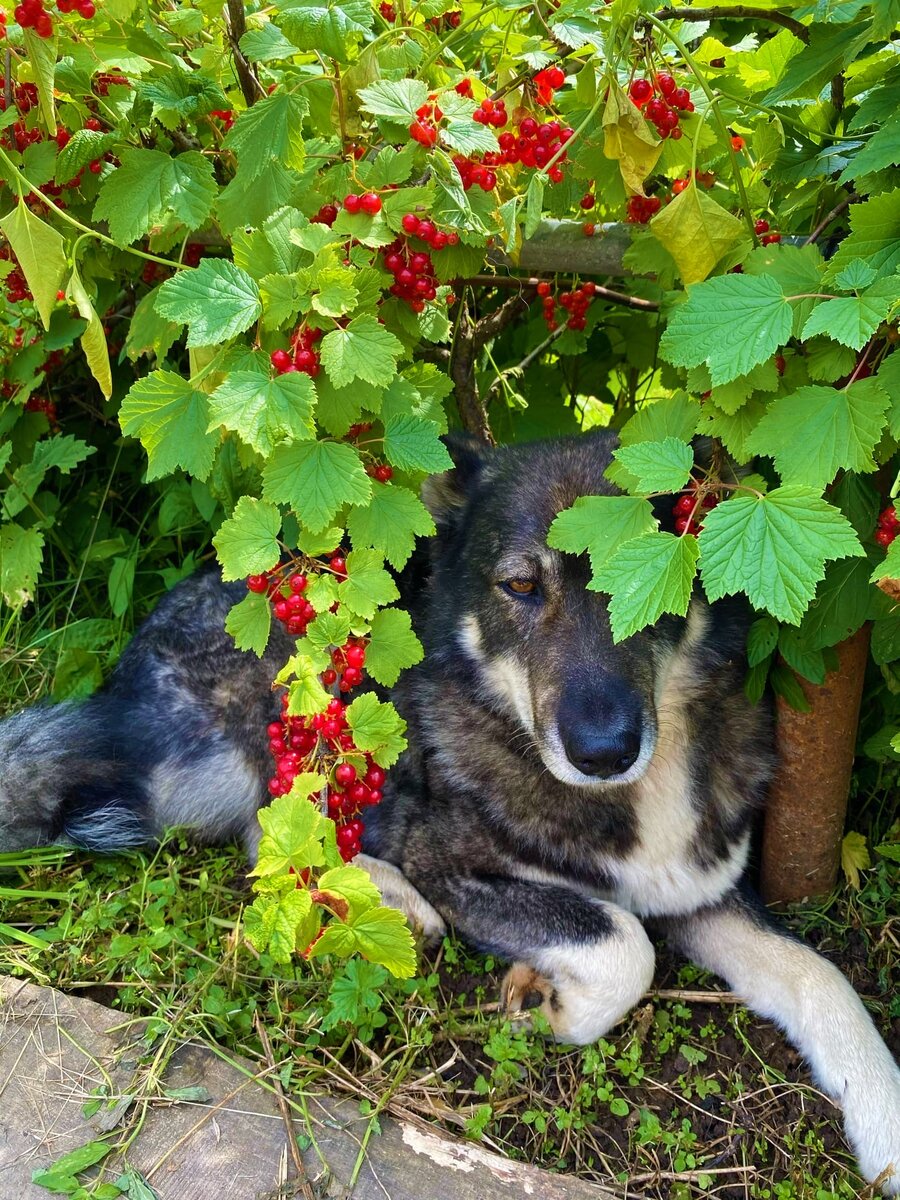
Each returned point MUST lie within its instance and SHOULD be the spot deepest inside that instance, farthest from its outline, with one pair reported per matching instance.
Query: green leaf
(646, 577)
(600, 525)
(798, 270)
(368, 585)
(249, 622)
(352, 884)
(377, 728)
(817, 430)
(93, 340)
(850, 320)
(734, 430)
(393, 646)
(21, 551)
(658, 466)
(800, 656)
(266, 44)
(880, 151)
(889, 567)
(697, 232)
(390, 523)
(396, 99)
(363, 350)
(316, 479)
(874, 236)
(41, 254)
(74, 1162)
(380, 935)
(247, 543)
(281, 924)
(355, 993)
(265, 411)
(215, 300)
(826, 361)
(293, 830)
(170, 418)
(151, 190)
(271, 129)
(42, 55)
(773, 548)
(414, 444)
(731, 323)
(331, 28)
(675, 416)
(854, 857)
(335, 293)
(148, 332)
(762, 638)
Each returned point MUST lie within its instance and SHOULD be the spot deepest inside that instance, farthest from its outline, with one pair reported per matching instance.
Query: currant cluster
(327, 215)
(106, 79)
(662, 102)
(491, 112)
(42, 404)
(762, 231)
(888, 526)
(301, 356)
(297, 742)
(413, 270)
(285, 589)
(688, 509)
(382, 472)
(31, 14)
(706, 178)
(2, 23)
(536, 143)
(547, 83)
(388, 12)
(424, 129)
(576, 303)
(474, 173)
(225, 115)
(639, 209)
(369, 202)
(16, 287)
(449, 20)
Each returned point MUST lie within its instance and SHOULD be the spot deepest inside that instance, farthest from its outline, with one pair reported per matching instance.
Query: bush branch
(738, 12)
(237, 27)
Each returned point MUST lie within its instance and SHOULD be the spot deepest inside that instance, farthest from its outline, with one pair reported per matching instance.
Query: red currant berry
(641, 90)
(370, 203)
(257, 583)
(384, 473)
(352, 203)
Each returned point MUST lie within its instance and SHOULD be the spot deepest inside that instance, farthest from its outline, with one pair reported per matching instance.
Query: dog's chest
(667, 872)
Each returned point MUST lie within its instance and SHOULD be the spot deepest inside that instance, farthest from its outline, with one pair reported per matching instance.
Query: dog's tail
(66, 776)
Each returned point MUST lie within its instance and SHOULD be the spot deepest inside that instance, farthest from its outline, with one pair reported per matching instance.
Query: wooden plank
(55, 1050)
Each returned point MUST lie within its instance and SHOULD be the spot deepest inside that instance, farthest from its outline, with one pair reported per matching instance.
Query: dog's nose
(602, 752)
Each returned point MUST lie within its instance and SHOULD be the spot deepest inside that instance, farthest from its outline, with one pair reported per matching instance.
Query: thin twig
(472, 412)
(522, 282)
(237, 27)
(524, 365)
(303, 1178)
(510, 310)
(738, 12)
(826, 220)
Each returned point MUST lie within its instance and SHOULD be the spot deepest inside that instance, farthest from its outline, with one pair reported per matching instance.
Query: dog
(558, 791)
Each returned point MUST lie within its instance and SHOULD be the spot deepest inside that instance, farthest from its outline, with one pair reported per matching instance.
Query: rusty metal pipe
(807, 806)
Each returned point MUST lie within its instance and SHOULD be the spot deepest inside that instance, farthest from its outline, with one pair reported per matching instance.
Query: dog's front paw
(583, 989)
(872, 1120)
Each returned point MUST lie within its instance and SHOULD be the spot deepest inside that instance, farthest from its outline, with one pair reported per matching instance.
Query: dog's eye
(520, 587)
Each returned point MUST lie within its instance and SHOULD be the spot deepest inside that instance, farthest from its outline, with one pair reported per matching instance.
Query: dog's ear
(446, 494)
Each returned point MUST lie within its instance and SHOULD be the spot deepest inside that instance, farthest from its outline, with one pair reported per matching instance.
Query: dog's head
(535, 640)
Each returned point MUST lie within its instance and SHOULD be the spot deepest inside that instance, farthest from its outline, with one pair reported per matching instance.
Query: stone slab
(56, 1050)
